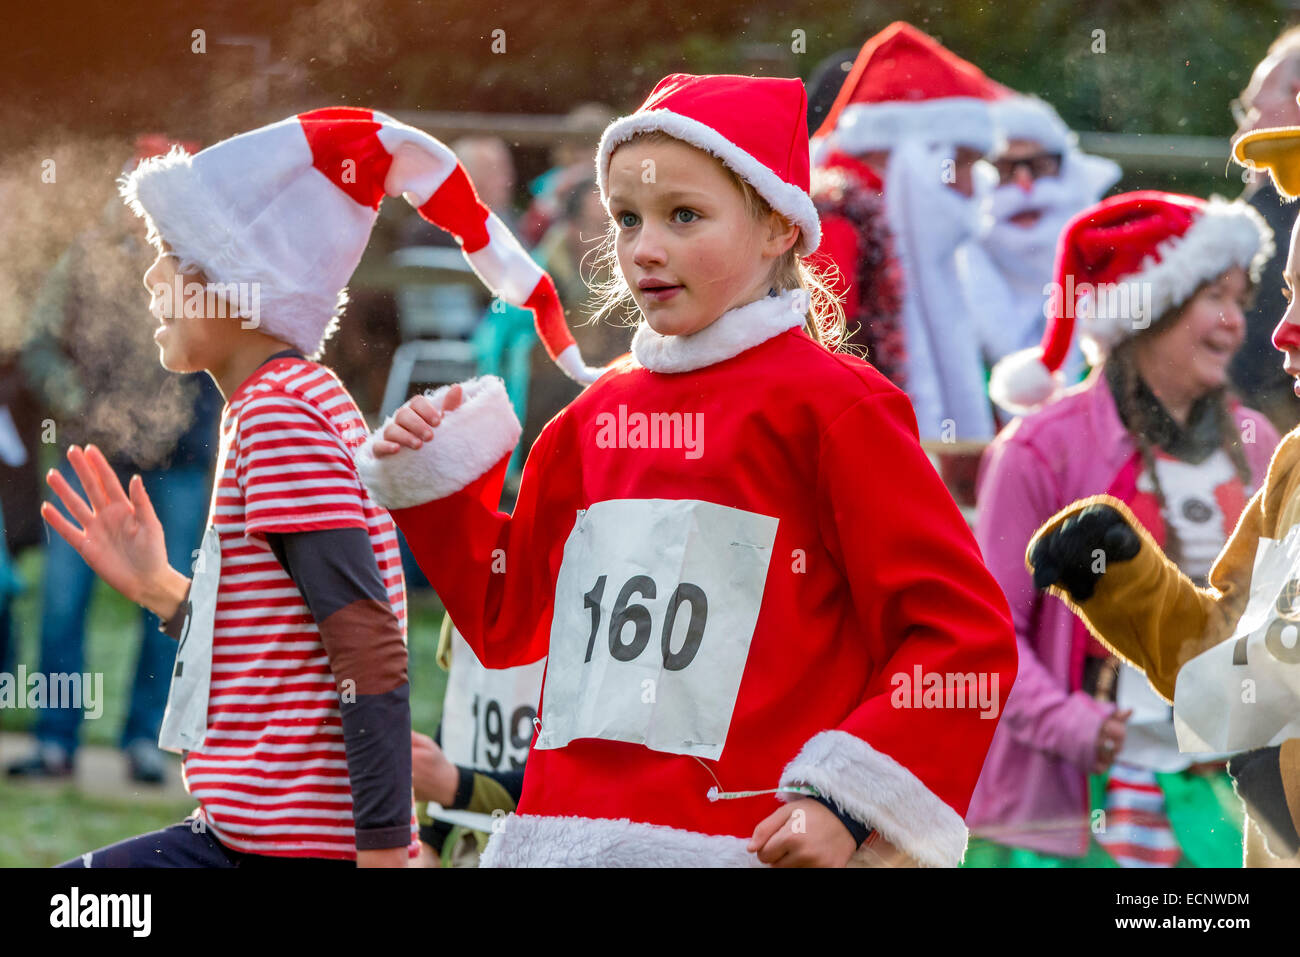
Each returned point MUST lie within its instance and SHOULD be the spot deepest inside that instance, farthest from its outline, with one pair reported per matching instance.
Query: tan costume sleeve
(1148, 612)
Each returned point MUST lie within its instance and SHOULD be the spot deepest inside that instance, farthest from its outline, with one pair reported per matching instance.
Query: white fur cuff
(878, 791)
(470, 440)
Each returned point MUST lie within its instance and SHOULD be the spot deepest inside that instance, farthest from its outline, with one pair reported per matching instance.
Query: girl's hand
(1110, 739)
(119, 537)
(802, 833)
(414, 422)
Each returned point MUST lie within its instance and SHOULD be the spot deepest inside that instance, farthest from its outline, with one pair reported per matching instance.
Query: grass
(40, 825)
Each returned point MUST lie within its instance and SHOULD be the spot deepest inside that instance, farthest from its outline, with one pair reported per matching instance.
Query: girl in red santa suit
(771, 638)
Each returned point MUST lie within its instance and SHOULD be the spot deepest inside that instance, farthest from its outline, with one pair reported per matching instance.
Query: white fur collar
(729, 335)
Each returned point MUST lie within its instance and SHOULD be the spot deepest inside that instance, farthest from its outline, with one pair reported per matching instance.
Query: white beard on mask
(930, 221)
(1005, 273)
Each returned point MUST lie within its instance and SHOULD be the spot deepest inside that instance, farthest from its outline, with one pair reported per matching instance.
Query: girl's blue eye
(688, 212)
(627, 220)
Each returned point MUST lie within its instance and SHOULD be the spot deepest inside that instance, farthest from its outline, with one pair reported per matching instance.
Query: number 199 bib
(655, 607)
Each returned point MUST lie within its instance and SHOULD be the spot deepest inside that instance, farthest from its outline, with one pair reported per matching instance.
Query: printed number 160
(625, 611)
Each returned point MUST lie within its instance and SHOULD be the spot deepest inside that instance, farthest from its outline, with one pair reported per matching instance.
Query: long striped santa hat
(290, 206)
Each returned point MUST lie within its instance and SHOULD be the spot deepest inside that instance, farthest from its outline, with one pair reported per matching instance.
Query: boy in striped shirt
(289, 697)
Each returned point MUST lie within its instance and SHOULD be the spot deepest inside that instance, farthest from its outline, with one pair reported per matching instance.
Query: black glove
(1065, 555)
(1257, 779)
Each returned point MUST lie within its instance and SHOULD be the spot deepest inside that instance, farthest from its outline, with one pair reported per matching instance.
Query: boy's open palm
(119, 536)
(414, 422)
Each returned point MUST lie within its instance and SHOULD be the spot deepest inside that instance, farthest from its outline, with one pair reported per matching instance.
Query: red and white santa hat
(905, 84)
(1122, 264)
(757, 127)
(290, 206)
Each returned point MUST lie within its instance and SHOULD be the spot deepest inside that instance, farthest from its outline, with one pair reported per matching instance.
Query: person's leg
(180, 499)
(187, 844)
(67, 584)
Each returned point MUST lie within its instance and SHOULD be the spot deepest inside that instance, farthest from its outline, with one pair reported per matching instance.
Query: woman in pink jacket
(1159, 282)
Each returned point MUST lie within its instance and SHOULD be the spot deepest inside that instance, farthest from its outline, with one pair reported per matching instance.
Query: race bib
(1245, 692)
(655, 607)
(487, 713)
(185, 721)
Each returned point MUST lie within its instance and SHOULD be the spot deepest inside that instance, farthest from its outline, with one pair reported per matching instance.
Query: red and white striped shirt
(271, 776)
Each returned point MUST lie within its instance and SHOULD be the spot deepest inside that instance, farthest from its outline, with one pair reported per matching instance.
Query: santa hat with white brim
(290, 207)
(756, 126)
(1129, 259)
(904, 85)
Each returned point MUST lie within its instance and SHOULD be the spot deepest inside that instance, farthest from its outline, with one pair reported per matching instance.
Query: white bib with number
(1245, 691)
(655, 607)
(487, 713)
(185, 721)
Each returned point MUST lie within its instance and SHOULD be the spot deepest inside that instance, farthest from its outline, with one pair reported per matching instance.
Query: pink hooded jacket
(1033, 790)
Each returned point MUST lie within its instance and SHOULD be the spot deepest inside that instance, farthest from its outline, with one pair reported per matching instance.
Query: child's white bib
(185, 721)
(655, 607)
(487, 713)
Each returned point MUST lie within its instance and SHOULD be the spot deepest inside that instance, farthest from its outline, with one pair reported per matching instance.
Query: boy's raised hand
(119, 537)
(414, 422)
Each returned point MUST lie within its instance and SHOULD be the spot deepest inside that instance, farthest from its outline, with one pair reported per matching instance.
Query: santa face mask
(1028, 251)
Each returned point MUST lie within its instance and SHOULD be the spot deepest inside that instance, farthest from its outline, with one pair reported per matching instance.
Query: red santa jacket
(745, 573)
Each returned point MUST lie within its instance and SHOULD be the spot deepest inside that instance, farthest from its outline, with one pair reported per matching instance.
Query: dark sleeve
(336, 571)
(859, 830)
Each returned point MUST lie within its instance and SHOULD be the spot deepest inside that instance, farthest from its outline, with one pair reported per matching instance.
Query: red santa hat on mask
(1122, 264)
(290, 206)
(756, 126)
(906, 84)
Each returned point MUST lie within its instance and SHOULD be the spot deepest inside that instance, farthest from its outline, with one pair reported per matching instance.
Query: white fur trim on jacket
(529, 840)
(1226, 234)
(469, 440)
(956, 120)
(876, 790)
(786, 198)
(735, 331)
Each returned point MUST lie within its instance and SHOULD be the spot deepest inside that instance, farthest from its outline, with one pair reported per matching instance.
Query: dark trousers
(188, 844)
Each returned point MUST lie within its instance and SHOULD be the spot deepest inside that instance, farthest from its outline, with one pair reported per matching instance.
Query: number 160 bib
(655, 607)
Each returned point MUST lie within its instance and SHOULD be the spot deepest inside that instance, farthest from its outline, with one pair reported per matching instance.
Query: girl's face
(185, 344)
(1211, 329)
(687, 245)
(1286, 337)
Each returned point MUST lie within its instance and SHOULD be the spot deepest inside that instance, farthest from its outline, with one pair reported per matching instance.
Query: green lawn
(41, 825)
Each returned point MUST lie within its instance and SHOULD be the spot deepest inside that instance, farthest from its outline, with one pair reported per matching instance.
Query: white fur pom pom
(1021, 383)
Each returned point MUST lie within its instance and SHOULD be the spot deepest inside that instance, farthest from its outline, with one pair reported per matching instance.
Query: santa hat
(756, 126)
(905, 84)
(1120, 265)
(1019, 116)
(290, 206)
